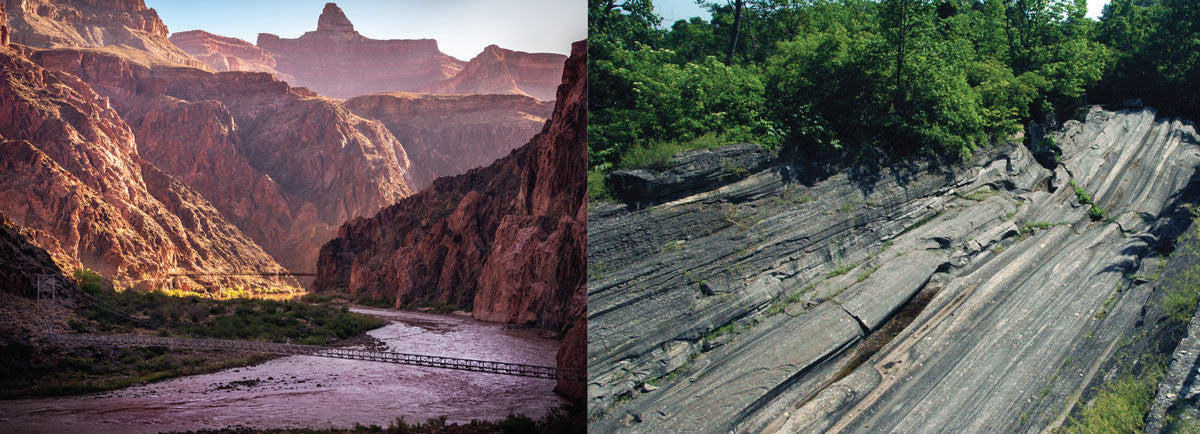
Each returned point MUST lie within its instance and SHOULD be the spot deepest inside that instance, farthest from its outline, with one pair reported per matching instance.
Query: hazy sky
(461, 27)
(672, 10)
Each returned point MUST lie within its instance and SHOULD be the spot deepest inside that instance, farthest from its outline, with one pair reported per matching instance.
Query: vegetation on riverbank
(49, 370)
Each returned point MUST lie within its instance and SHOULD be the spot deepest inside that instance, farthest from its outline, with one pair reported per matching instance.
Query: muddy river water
(318, 392)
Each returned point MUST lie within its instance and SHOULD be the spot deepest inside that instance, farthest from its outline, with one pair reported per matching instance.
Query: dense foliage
(854, 80)
(1158, 60)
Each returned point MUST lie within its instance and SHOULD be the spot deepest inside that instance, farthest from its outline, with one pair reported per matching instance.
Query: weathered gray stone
(1026, 304)
(692, 172)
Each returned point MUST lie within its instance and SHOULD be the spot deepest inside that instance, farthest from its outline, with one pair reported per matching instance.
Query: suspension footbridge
(47, 315)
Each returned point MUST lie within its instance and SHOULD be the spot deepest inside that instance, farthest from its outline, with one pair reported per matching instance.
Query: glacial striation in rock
(71, 175)
(499, 70)
(505, 240)
(126, 27)
(450, 134)
(223, 53)
(981, 298)
(286, 168)
(336, 61)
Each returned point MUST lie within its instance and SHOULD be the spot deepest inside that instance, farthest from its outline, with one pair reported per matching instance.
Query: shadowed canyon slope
(335, 60)
(21, 261)
(985, 298)
(497, 70)
(450, 134)
(126, 27)
(505, 241)
(223, 53)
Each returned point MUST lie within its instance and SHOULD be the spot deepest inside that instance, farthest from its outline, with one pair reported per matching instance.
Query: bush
(90, 282)
(658, 155)
(658, 101)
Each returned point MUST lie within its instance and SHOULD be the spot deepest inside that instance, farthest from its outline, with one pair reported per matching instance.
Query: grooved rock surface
(223, 53)
(71, 173)
(286, 169)
(903, 299)
(126, 27)
(450, 134)
(337, 61)
(499, 70)
(506, 239)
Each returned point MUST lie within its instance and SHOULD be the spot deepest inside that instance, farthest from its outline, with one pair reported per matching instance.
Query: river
(319, 392)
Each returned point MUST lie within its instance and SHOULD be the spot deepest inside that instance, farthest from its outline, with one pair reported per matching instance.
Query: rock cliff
(73, 177)
(335, 60)
(504, 240)
(980, 298)
(498, 70)
(285, 168)
(223, 53)
(126, 27)
(450, 134)
(21, 261)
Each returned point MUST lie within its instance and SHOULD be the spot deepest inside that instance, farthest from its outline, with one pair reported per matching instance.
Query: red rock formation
(336, 61)
(285, 168)
(450, 134)
(223, 53)
(127, 27)
(72, 175)
(507, 240)
(3, 25)
(497, 70)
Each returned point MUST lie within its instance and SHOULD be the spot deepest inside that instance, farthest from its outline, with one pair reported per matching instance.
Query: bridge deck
(313, 350)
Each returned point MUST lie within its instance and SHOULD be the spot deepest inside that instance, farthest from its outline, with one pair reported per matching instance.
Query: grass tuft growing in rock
(841, 269)
(1121, 407)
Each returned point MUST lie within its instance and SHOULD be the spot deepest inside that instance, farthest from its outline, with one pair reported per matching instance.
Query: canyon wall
(222, 53)
(498, 70)
(450, 134)
(335, 60)
(284, 167)
(73, 177)
(126, 27)
(505, 241)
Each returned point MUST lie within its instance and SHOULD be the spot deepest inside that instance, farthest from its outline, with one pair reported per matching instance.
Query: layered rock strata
(499, 70)
(506, 240)
(286, 168)
(126, 27)
(335, 60)
(979, 298)
(72, 175)
(222, 53)
(449, 134)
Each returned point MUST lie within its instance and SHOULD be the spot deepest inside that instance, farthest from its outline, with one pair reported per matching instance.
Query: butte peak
(333, 19)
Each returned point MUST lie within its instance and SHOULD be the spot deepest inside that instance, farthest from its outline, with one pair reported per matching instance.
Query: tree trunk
(737, 27)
